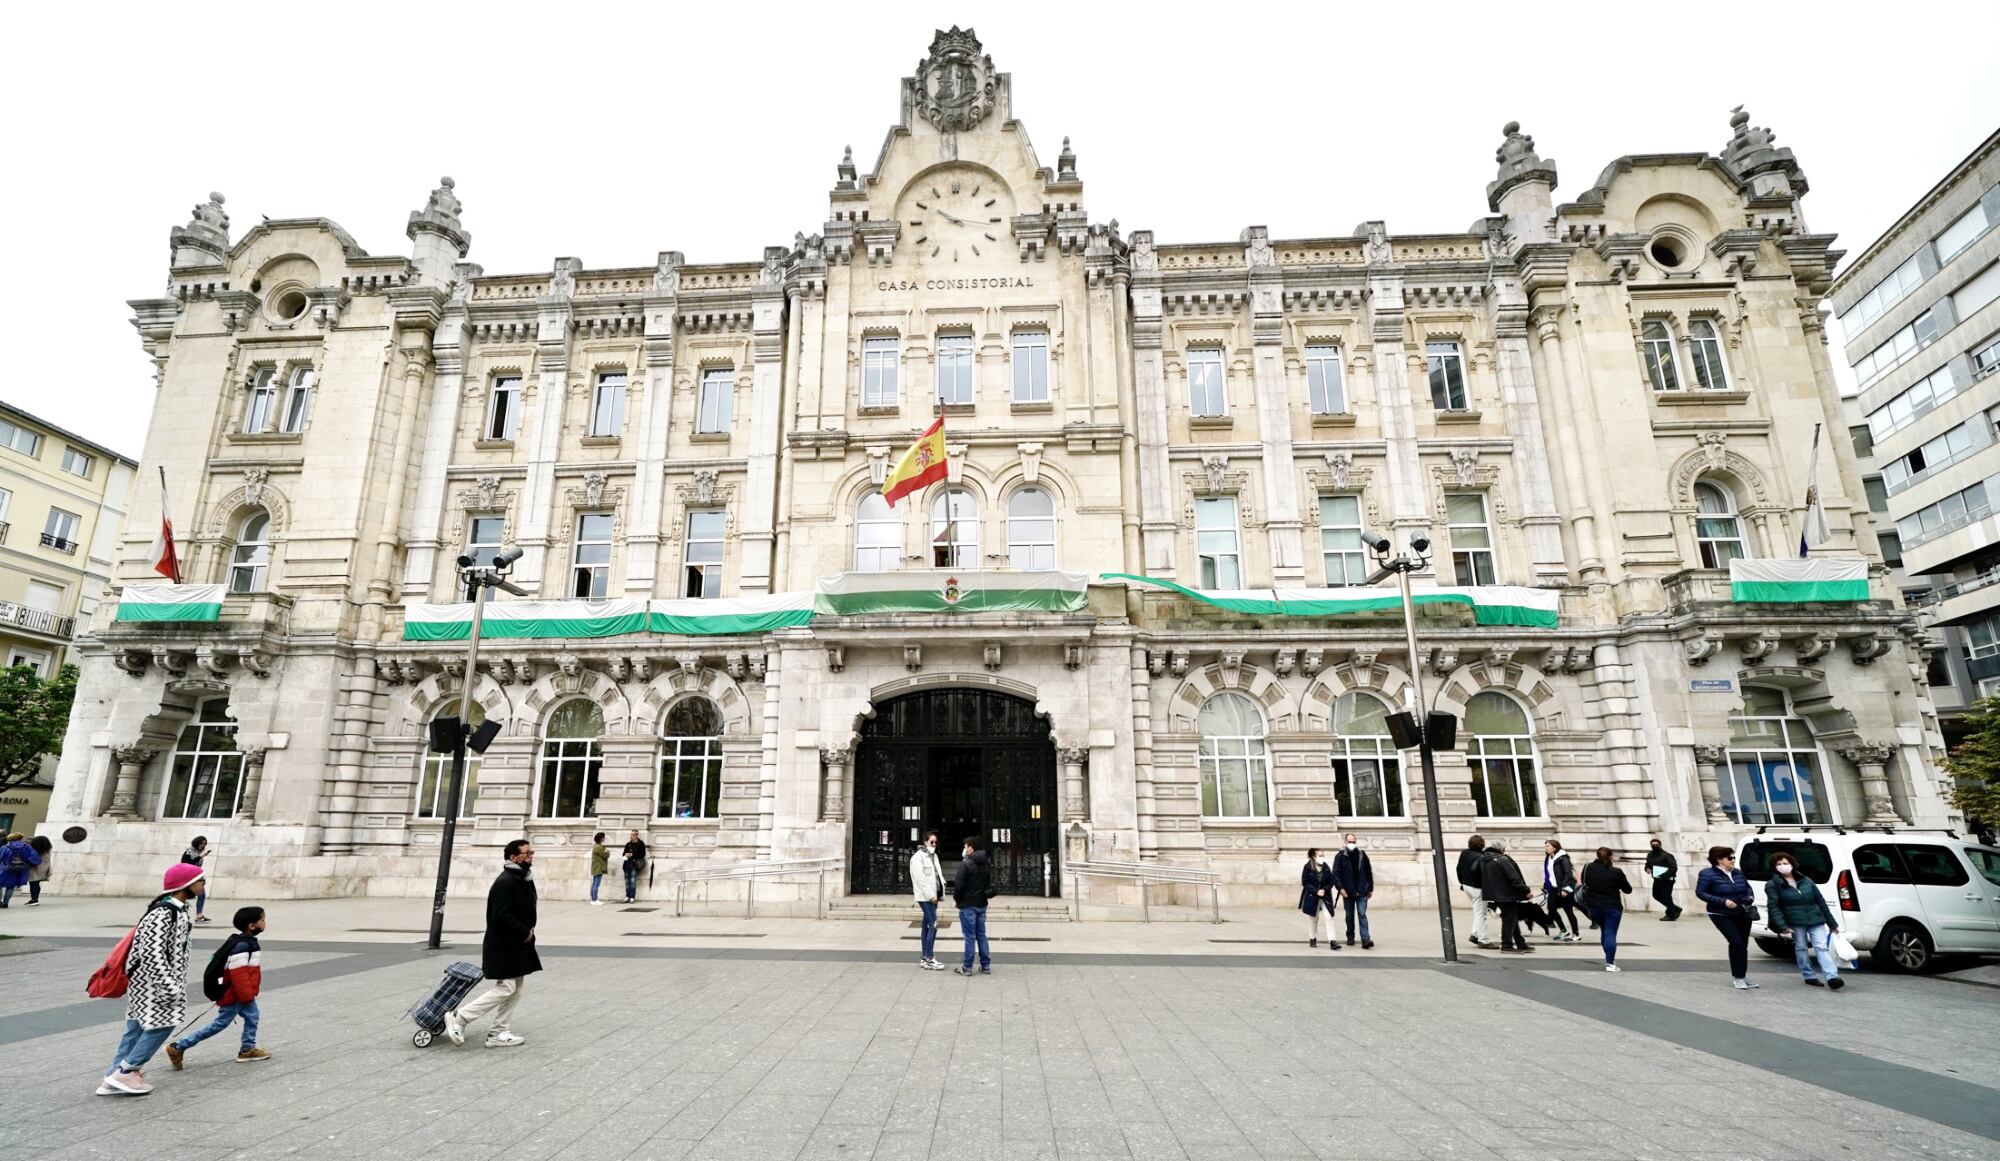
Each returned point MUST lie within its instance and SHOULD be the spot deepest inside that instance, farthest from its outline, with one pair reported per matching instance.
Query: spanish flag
(923, 464)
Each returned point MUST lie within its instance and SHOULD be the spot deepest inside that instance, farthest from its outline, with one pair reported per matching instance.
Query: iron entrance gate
(961, 762)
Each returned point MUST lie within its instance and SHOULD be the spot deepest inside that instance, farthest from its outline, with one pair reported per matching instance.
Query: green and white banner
(855, 594)
(525, 619)
(1813, 578)
(170, 603)
(727, 615)
(1490, 604)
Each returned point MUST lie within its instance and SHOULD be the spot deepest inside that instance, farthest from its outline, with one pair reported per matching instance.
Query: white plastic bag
(1842, 949)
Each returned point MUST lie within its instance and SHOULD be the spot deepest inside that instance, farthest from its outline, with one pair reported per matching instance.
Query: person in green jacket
(600, 866)
(1793, 906)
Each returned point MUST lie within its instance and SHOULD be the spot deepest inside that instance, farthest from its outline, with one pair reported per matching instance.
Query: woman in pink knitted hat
(156, 994)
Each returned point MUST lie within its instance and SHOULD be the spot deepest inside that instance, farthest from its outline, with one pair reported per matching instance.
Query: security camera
(1420, 544)
(506, 557)
(1376, 542)
(466, 562)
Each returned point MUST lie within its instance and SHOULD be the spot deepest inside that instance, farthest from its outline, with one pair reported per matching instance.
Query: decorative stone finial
(1066, 163)
(846, 169)
(439, 236)
(1753, 155)
(205, 239)
(1519, 164)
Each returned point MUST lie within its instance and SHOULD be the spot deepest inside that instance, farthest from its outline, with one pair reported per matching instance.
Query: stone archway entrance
(962, 762)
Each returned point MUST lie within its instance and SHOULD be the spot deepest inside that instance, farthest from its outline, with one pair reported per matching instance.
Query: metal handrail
(1943, 593)
(1142, 874)
(751, 872)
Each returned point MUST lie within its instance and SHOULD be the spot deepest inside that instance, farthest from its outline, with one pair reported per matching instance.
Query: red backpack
(109, 981)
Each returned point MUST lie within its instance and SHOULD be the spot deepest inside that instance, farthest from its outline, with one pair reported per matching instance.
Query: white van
(1907, 896)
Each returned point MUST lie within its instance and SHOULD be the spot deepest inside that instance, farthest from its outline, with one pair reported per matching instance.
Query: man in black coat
(1501, 884)
(1663, 879)
(508, 955)
(971, 888)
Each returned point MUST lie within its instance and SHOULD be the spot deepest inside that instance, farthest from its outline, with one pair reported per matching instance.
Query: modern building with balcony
(1921, 310)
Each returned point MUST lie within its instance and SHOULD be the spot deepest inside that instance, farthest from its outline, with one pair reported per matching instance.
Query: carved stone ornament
(1378, 249)
(1864, 650)
(253, 484)
(992, 654)
(1257, 249)
(488, 490)
(835, 756)
(1339, 467)
(704, 485)
(913, 657)
(955, 83)
(1313, 661)
(836, 658)
(1712, 445)
(1811, 649)
(1708, 755)
(1698, 650)
(1867, 753)
(1177, 663)
(137, 754)
(1144, 259)
(132, 661)
(1756, 649)
(667, 273)
(1283, 663)
(1465, 462)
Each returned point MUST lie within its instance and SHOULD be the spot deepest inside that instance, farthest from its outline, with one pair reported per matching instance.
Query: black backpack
(214, 977)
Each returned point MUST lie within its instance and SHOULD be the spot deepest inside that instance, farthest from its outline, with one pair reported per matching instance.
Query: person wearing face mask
(1730, 899)
(1317, 892)
(971, 888)
(1795, 907)
(927, 884)
(508, 955)
(1663, 869)
(1355, 876)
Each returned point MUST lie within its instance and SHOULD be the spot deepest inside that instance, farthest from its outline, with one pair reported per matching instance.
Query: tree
(34, 712)
(1975, 764)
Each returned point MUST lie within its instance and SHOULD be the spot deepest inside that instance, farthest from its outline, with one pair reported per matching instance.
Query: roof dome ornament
(1519, 164)
(1754, 156)
(955, 84)
(846, 170)
(1066, 163)
(205, 239)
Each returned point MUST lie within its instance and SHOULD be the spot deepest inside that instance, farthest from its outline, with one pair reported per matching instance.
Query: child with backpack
(232, 979)
(149, 969)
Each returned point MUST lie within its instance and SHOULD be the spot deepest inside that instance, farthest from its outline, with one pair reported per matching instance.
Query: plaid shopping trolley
(450, 992)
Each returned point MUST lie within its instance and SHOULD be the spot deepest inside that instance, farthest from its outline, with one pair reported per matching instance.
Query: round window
(289, 305)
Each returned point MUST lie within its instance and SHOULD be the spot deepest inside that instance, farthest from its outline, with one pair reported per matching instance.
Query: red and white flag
(165, 561)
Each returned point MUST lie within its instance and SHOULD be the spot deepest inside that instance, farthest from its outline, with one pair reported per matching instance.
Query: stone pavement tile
(748, 1146)
(774, 1110)
(906, 1145)
(806, 1077)
(1154, 1142)
(1095, 1139)
(841, 1141)
(863, 1100)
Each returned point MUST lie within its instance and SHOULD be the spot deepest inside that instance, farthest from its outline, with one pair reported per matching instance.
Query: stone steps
(902, 907)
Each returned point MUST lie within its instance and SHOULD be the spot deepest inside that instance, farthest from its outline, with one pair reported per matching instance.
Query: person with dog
(1730, 898)
(1468, 881)
(1559, 891)
(1793, 906)
(1604, 886)
(240, 964)
(1355, 876)
(1663, 869)
(507, 956)
(1501, 884)
(1317, 891)
(156, 981)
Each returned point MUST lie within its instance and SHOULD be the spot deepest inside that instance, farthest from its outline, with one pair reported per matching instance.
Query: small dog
(1531, 914)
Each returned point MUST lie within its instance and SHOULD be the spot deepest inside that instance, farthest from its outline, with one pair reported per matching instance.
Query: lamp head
(1376, 542)
(466, 562)
(1420, 544)
(506, 557)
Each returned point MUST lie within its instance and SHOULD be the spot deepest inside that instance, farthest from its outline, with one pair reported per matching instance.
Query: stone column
(1583, 524)
(554, 323)
(1707, 760)
(833, 790)
(1274, 413)
(1076, 800)
(1522, 410)
(656, 393)
(1872, 760)
(125, 794)
(253, 781)
(1158, 526)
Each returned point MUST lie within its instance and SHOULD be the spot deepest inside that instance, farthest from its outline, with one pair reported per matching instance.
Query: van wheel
(1905, 947)
(1776, 948)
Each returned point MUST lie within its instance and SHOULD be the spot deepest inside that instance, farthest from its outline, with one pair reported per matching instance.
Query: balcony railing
(1943, 593)
(37, 620)
(51, 540)
(1972, 514)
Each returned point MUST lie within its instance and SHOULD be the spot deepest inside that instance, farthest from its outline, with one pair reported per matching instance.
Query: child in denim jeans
(241, 977)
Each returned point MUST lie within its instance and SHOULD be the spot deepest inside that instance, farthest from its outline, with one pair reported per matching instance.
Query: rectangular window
(76, 463)
(718, 397)
(435, 784)
(298, 400)
(1986, 358)
(1878, 493)
(590, 577)
(1447, 371)
(1963, 232)
(1891, 290)
(20, 439)
(701, 556)
(43, 597)
(59, 530)
(1325, 392)
(607, 405)
(34, 659)
(1953, 512)
(1864, 443)
(1471, 538)
(1982, 639)
(1340, 540)
(880, 358)
(1208, 396)
(690, 777)
(482, 539)
(1919, 399)
(263, 402)
(1897, 348)
(503, 407)
(1983, 288)
(1937, 452)
(1031, 366)
(1218, 557)
(1892, 548)
(1368, 778)
(954, 370)
(6, 500)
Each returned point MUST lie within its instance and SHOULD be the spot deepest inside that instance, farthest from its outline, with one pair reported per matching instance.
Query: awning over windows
(1813, 578)
(1490, 604)
(170, 603)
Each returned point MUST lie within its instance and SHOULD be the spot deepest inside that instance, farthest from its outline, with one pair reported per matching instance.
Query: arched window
(878, 535)
(263, 400)
(207, 776)
(571, 761)
(1501, 752)
(1367, 770)
(954, 530)
(1031, 529)
(1774, 764)
(434, 781)
(690, 760)
(250, 563)
(1717, 531)
(1659, 350)
(1235, 765)
(1705, 352)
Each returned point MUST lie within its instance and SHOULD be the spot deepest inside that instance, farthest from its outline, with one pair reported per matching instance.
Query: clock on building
(956, 216)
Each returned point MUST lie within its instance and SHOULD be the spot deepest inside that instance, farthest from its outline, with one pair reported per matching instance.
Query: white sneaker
(597, 902)
(454, 1028)
(503, 1040)
(1612, 967)
(1739, 985)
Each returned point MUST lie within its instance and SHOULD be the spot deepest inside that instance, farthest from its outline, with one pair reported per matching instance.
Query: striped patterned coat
(157, 965)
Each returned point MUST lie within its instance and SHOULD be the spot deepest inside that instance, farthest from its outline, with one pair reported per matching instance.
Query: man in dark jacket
(508, 956)
(972, 887)
(1662, 868)
(1355, 876)
(1501, 884)
(1469, 882)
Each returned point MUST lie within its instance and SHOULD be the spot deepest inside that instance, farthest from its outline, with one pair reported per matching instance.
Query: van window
(1988, 863)
(1933, 866)
(1879, 863)
(1813, 859)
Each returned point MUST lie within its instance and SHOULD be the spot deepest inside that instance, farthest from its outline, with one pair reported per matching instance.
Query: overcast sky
(611, 132)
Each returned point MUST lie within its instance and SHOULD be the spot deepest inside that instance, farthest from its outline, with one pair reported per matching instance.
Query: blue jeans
(1607, 920)
(930, 927)
(631, 881)
(7, 894)
(1815, 940)
(137, 1046)
(1353, 906)
(972, 924)
(594, 881)
(224, 1016)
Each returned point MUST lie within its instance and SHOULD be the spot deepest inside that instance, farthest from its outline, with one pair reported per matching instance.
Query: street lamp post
(1403, 564)
(477, 581)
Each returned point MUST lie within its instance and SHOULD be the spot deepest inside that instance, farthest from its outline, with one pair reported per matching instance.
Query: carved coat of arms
(955, 82)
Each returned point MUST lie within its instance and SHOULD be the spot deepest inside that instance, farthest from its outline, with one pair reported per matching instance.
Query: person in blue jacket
(1355, 876)
(1729, 897)
(17, 857)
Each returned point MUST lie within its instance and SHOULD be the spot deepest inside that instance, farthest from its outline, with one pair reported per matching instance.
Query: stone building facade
(1600, 401)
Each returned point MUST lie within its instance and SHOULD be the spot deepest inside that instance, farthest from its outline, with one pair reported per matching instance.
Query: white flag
(1815, 530)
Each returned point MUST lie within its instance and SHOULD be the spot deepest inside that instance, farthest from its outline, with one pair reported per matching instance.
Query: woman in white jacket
(927, 884)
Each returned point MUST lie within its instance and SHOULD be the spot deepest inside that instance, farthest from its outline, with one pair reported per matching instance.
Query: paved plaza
(724, 1037)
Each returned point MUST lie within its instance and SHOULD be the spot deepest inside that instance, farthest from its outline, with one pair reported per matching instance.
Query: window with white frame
(1939, 451)
(954, 530)
(43, 597)
(1982, 638)
(1897, 348)
(954, 369)
(1924, 396)
(1705, 353)
(1471, 537)
(1949, 514)
(1031, 529)
(571, 761)
(1986, 357)
(1657, 348)
(881, 358)
(77, 463)
(59, 531)
(263, 401)
(250, 560)
(690, 784)
(1447, 373)
(434, 779)
(35, 659)
(1894, 288)
(1208, 393)
(590, 559)
(1774, 774)
(1980, 289)
(503, 407)
(701, 554)
(20, 439)
(298, 400)
(878, 535)
(1718, 532)
(1500, 748)
(484, 539)
(206, 778)
(607, 405)
(1031, 366)
(1965, 230)
(6, 502)
(1326, 393)
(1367, 769)
(1340, 540)
(1218, 555)
(1235, 763)
(718, 397)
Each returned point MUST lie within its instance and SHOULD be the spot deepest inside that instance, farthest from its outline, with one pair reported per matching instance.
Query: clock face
(952, 217)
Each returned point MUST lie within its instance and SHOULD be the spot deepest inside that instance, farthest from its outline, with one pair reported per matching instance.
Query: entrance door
(961, 762)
